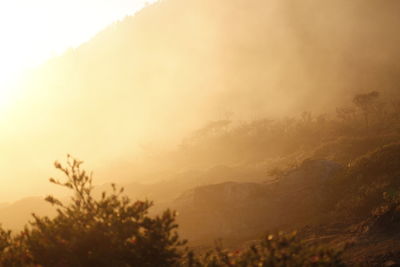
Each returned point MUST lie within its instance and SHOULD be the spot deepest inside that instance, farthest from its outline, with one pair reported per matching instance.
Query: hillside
(239, 60)
(245, 116)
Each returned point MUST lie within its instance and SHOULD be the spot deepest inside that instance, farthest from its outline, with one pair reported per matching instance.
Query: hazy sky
(32, 31)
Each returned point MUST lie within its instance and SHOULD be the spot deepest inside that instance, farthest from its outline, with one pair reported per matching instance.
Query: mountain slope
(156, 75)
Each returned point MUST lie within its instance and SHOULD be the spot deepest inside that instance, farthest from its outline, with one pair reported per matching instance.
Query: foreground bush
(370, 183)
(113, 231)
(274, 251)
(110, 231)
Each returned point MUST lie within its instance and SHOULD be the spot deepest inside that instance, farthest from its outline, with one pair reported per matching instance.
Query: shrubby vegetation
(273, 251)
(113, 231)
(110, 231)
(371, 183)
(366, 123)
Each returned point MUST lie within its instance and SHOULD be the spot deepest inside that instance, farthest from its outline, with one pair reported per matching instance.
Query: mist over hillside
(204, 120)
(146, 81)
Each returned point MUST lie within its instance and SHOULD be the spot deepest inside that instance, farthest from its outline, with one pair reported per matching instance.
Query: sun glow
(33, 31)
(6, 94)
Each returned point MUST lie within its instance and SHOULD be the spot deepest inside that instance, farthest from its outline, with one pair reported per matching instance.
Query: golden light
(33, 31)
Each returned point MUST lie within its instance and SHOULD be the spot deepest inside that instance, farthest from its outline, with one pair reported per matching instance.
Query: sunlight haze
(34, 31)
(183, 85)
(263, 132)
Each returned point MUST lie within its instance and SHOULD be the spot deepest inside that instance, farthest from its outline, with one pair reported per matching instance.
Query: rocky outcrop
(246, 210)
(312, 172)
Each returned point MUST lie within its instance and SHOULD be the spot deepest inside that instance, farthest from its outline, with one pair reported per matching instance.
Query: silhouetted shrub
(387, 216)
(274, 251)
(13, 250)
(367, 179)
(368, 104)
(113, 231)
(110, 231)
